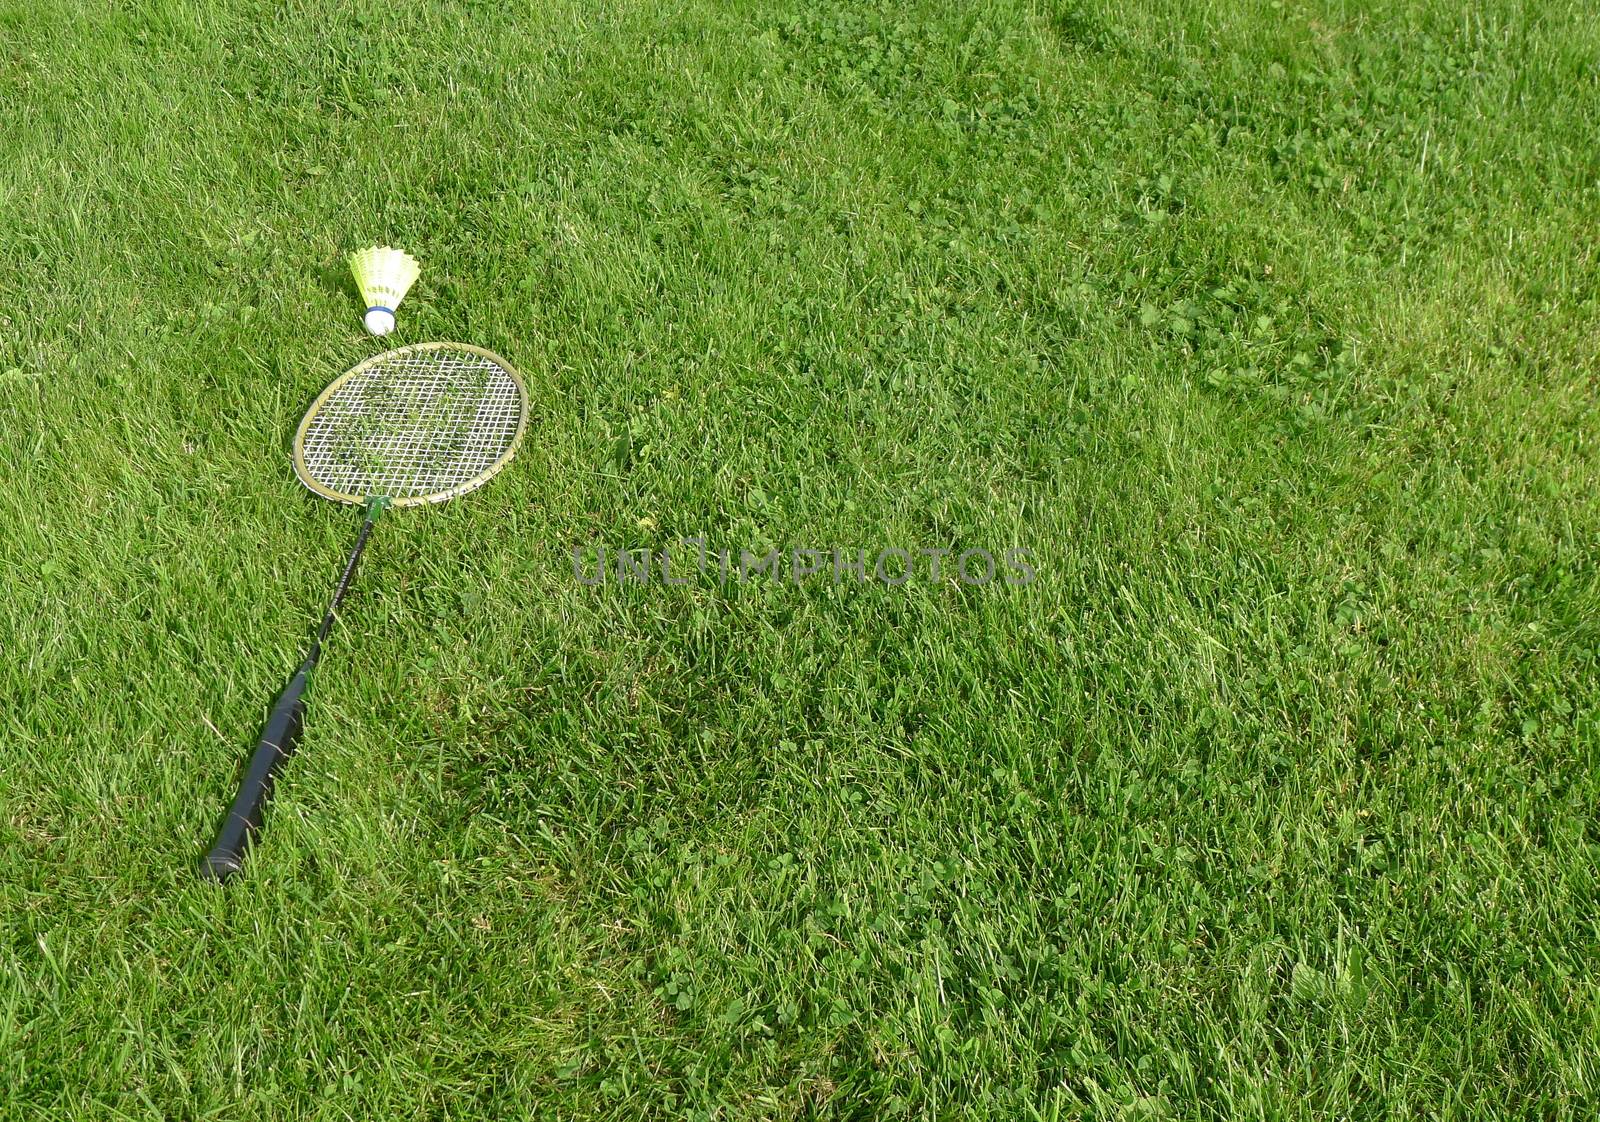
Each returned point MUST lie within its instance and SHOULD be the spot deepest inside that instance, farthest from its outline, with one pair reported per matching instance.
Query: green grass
(1269, 329)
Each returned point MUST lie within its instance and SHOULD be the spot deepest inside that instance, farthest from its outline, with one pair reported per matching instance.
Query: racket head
(420, 424)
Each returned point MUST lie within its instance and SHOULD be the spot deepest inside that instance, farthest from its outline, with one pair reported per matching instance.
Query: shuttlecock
(384, 276)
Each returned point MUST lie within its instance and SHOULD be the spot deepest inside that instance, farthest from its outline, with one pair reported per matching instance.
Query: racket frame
(303, 470)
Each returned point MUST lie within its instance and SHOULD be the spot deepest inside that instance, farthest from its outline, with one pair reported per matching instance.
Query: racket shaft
(281, 734)
(277, 743)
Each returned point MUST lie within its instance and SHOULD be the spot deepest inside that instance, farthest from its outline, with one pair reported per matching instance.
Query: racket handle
(278, 740)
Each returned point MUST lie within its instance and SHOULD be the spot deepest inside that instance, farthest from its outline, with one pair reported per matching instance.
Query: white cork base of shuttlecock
(379, 321)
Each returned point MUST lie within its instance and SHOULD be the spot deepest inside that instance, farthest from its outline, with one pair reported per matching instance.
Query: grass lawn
(1269, 331)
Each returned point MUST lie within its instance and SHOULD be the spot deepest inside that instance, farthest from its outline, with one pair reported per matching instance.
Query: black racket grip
(278, 740)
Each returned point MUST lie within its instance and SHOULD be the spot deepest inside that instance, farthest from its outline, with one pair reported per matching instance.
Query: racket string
(418, 425)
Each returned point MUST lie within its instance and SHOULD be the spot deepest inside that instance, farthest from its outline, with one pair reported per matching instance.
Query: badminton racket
(421, 424)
